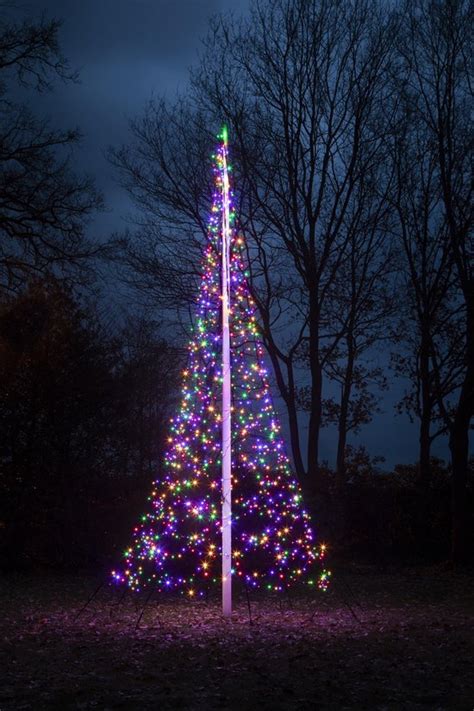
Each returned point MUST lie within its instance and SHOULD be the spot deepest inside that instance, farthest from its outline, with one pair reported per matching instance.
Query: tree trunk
(287, 392)
(293, 424)
(316, 395)
(344, 414)
(341, 452)
(425, 415)
(459, 446)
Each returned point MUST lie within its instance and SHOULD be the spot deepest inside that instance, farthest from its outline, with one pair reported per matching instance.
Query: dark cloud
(142, 30)
(125, 51)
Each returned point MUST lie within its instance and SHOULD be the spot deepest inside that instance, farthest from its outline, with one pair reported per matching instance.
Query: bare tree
(360, 307)
(166, 170)
(435, 69)
(430, 313)
(308, 118)
(43, 206)
(303, 93)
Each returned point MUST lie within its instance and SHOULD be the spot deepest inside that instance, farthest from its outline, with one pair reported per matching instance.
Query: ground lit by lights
(412, 648)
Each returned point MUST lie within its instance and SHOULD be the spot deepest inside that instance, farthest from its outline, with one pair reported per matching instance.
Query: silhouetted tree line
(352, 150)
(82, 402)
(384, 517)
(351, 144)
(82, 416)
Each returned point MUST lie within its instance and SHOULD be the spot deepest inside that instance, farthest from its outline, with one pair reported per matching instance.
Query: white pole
(226, 398)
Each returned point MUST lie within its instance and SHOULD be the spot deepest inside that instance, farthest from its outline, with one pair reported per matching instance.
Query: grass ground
(412, 647)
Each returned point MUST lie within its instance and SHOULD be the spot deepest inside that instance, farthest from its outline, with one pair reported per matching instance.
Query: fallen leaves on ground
(377, 640)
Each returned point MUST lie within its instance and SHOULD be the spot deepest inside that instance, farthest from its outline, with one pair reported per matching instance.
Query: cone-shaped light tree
(178, 544)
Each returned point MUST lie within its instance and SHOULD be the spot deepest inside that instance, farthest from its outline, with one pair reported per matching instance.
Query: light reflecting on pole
(226, 395)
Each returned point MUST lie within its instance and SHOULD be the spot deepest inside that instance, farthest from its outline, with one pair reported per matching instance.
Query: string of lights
(177, 543)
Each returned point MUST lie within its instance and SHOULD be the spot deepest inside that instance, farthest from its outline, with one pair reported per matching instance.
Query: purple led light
(178, 543)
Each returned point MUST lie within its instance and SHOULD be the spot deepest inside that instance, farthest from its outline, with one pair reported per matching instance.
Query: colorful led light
(177, 544)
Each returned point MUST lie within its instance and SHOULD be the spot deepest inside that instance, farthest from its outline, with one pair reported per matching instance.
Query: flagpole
(226, 394)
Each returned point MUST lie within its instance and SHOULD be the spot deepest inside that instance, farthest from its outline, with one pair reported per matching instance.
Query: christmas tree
(178, 542)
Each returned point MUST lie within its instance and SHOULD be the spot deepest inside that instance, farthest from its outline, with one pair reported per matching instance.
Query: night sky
(126, 51)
